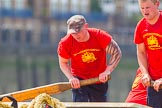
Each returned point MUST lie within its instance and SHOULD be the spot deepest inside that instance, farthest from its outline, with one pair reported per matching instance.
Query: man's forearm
(66, 70)
(142, 60)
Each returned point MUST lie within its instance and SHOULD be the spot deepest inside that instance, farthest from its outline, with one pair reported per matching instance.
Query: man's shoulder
(141, 22)
(66, 37)
(96, 30)
(99, 34)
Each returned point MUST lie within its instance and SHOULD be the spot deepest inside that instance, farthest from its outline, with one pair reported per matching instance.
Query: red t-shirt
(138, 94)
(151, 36)
(88, 59)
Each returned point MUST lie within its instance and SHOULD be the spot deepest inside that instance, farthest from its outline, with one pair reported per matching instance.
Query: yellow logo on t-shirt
(152, 40)
(88, 57)
(153, 43)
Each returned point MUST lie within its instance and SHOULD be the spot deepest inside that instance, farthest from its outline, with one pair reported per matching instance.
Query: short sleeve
(138, 38)
(63, 50)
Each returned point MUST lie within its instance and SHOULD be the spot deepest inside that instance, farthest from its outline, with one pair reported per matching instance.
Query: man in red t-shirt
(148, 39)
(82, 55)
(138, 92)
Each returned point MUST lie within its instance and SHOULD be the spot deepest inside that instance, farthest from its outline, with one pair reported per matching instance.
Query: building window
(5, 35)
(45, 34)
(28, 36)
(17, 36)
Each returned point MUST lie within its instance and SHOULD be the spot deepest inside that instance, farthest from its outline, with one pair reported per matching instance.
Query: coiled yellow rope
(41, 100)
(4, 105)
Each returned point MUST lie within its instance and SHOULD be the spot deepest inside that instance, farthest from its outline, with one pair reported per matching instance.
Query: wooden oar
(50, 89)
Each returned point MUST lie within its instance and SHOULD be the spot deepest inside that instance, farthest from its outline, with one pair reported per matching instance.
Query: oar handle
(91, 81)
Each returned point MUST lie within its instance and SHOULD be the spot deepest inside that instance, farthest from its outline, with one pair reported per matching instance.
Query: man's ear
(86, 25)
(158, 3)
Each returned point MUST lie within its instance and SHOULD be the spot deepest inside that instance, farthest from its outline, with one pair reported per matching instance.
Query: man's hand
(103, 77)
(157, 84)
(75, 83)
(146, 80)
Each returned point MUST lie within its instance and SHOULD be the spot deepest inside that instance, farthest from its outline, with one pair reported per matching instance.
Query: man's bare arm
(64, 66)
(75, 83)
(142, 58)
(115, 55)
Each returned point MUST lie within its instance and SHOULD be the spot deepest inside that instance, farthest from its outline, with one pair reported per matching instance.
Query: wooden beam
(103, 105)
(96, 105)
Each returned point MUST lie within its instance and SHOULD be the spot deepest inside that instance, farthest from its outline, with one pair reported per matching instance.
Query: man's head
(154, 1)
(75, 23)
(149, 9)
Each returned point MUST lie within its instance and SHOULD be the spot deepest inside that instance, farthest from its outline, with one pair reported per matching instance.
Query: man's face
(148, 9)
(81, 36)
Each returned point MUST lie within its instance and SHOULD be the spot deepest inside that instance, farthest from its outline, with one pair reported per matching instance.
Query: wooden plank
(103, 105)
(96, 105)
